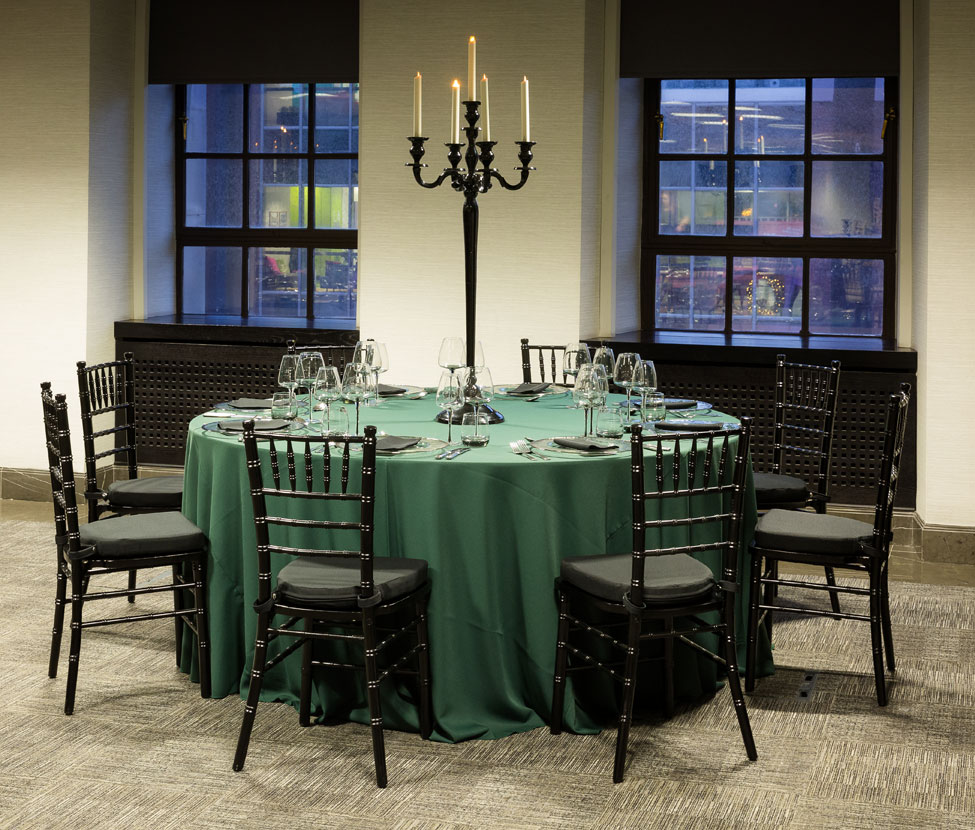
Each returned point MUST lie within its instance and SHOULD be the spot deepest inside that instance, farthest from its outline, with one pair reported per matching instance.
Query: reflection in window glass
(337, 193)
(336, 118)
(846, 296)
(276, 282)
(767, 294)
(770, 116)
(847, 199)
(847, 115)
(211, 280)
(279, 193)
(695, 116)
(214, 193)
(768, 198)
(693, 197)
(335, 283)
(278, 120)
(690, 292)
(214, 118)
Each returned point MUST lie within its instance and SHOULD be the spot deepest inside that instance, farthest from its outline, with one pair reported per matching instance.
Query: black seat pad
(796, 530)
(774, 489)
(146, 534)
(334, 583)
(669, 578)
(158, 492)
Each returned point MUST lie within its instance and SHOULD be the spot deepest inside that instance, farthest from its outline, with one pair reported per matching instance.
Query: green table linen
(493, 527)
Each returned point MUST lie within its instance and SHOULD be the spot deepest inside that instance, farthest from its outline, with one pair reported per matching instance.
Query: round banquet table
(493, 527)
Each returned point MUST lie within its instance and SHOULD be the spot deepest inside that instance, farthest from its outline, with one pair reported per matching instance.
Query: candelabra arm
(525, 157)
(417, 151)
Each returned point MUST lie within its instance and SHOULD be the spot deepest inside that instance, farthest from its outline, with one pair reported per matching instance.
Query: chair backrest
(705, 469)
(301, 482)
(549, 362)
(895, 431)
(58, 439)
(107, 389)
(332, 355)
(805, 414)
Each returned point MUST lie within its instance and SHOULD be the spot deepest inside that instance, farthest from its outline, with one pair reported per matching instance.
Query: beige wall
(944, 258)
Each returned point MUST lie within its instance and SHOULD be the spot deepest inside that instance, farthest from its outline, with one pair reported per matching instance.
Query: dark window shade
(719, 39)
(243, 41)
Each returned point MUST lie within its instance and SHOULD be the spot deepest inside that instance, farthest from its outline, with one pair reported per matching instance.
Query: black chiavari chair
(546, 359)
(834, 542)
(660, 592)
(372, 601)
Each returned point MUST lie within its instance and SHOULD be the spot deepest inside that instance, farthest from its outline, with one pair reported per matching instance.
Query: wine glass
(375, 356)
(604, 357)
(478, 389)
(308, 365)
(648, 384)
(328, 388)
(450, 396)
(629, 368)
(575, 357)
(479, 362)
(590, 388)
(356, 386)
(288, 373)
(452, 353)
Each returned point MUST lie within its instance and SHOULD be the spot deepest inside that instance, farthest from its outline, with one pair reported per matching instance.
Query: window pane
(276, 282)
(768, 198)
(211, 280)
(847, 198)
(695, 116)
(279, 193)
(846, 296)
(336, 118)
(690, 292)
(770, 116)
(847, 115)
(767, 294)
(214, 118)
(337, 193)
(336, 272)
(693, 197)
(214, 193)
(278, 118)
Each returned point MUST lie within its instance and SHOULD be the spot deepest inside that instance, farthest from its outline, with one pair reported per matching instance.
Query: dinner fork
(525, 446)
(518, 449)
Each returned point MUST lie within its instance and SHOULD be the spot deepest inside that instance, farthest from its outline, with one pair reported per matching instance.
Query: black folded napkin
(268, 425)
(529, 388)
(679, 403)
(385, 390)
(585, 444)
(250, 403)
(392, 443)
(690, 426)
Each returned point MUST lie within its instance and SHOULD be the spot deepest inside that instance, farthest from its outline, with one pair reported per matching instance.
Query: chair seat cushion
(158, 492)
(796, 530)
(334, 583)
(146, 534)
(665, 578)
(772, 489)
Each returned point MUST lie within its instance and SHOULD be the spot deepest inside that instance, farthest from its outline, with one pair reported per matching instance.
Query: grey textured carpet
(145, 751)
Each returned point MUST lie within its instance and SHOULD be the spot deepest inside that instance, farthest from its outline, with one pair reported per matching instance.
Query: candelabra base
(488, 414)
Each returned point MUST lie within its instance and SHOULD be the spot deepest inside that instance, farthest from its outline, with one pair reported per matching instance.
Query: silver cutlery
(456, 453)
(516, 448)
(525, 446)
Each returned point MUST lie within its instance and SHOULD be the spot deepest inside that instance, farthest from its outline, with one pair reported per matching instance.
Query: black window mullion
(729, 178)
(179, 209)
(310, 201)
(651, 162)
(245, 212)
(807, 185)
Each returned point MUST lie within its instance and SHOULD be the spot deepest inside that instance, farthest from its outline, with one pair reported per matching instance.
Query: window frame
(730, 246)
(308, 238)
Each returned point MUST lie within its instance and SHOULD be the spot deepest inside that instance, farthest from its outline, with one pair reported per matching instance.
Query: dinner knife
(454, 453)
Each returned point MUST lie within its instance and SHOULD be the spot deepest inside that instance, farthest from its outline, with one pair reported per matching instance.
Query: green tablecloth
(493, 527)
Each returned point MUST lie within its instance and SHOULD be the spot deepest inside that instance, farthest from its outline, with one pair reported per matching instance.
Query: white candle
(418, 105)
(472, 68)
(484, 108)
(525, 122)
(455, 113)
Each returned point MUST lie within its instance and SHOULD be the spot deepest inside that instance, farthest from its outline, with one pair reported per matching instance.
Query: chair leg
(834, 598)
(753, 614)
(372, 694)
(132, 584)
(769, 592)
(304, 702)
(629, 693)
(734, 686)
(876, 643)
(561, 662)
(59, 599)
(74, 654)
(254, 693)
(177, 607)
(423, 667)
(202, 626)
(669, 669)
(885, 617)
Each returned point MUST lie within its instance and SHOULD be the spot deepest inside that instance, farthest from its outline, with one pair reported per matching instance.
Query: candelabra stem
(470, 272)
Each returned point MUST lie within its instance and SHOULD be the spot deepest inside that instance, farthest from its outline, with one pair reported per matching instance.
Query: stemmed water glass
(328, 388)
(308, 365)
(450, 396)
(590, 390)
(478, 389)
(356, 386)
(628, 374)
(575, 357)
(373, 354)
(452, 353)
(647, 384)
(604, 357)
(288, 373)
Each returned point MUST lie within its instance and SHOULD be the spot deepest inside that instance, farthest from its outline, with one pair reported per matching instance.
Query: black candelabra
(470, 182)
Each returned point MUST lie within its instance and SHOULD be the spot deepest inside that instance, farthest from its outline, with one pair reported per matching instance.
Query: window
(770, 206)
(267, 189)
